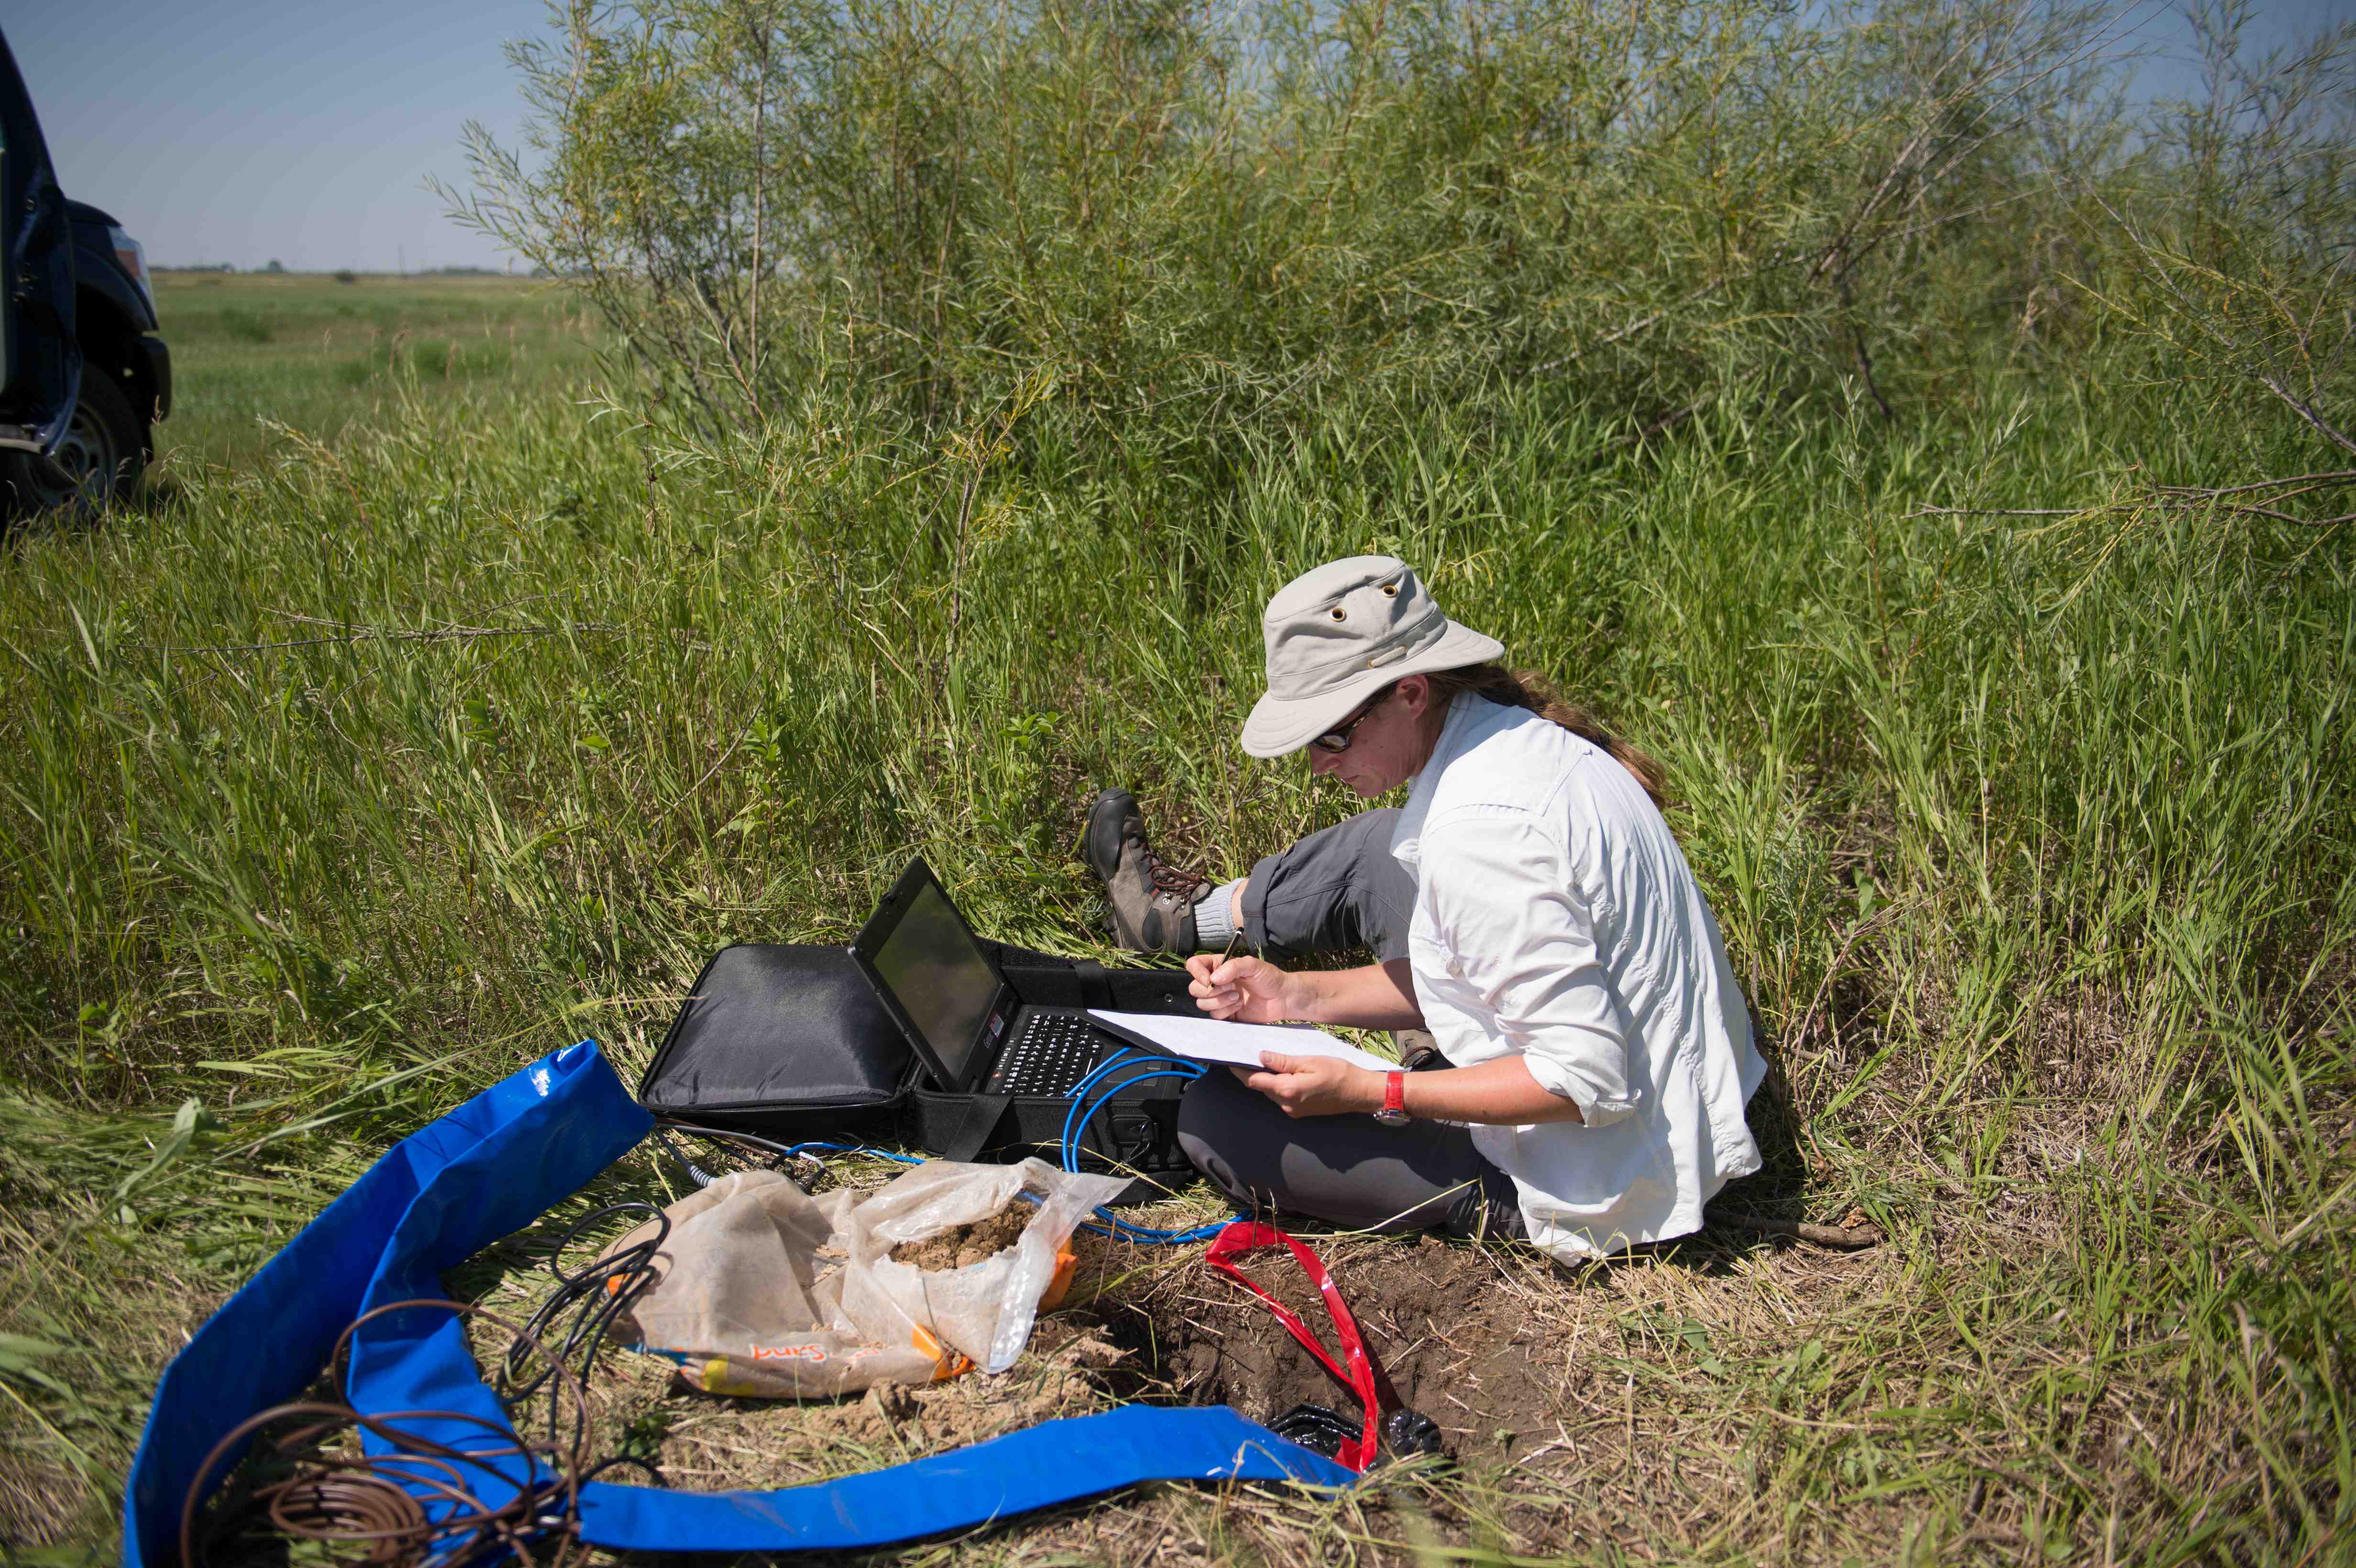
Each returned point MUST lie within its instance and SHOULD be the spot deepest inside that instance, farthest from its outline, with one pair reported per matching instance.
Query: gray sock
(1214, 926)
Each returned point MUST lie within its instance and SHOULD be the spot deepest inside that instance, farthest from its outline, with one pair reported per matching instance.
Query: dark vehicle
(82, 380)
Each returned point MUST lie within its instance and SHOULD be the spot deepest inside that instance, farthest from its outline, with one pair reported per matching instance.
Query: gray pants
(1336, 890)
(1332, 893)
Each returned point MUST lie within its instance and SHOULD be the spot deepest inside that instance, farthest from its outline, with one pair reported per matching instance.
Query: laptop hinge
(977, 1119)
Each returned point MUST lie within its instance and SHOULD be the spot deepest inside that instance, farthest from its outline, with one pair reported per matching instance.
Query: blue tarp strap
(489, 1169)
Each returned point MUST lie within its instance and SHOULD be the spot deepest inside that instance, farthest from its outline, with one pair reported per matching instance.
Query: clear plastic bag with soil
(760, 1289)
(696, 1440)
(981, 1293)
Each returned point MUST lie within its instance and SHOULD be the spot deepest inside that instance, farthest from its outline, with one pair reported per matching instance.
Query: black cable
(693, 1172)
(636, 1461)
(596, 1297)
(777, 1155)
(727, 1136)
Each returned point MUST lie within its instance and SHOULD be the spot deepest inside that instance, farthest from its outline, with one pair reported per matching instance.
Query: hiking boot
(1152, 902)
(1417, 1051)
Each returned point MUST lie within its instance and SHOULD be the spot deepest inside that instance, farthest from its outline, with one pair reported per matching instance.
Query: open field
(252, 350)
(354, 771)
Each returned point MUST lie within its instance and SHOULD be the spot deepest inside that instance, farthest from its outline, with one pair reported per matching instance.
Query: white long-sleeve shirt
(1556, 919)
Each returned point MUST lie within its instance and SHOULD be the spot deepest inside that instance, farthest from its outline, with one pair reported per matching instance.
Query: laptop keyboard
(1052, 1053)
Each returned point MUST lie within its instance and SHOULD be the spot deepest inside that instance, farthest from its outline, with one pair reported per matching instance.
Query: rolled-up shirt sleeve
(1520, 932)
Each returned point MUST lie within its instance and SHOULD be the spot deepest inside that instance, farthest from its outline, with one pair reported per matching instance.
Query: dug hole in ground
(1526, 1365)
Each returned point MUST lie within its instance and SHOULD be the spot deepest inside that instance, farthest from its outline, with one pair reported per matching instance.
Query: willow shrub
(1166, 222)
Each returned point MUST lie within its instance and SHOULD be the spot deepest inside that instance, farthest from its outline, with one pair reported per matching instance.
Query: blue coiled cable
(858, 1149)
(1076, 1120)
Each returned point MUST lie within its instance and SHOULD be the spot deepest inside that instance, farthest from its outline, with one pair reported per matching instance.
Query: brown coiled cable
(373, 1502)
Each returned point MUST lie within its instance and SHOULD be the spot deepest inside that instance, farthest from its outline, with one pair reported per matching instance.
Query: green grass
(361, 767)
(253, 352)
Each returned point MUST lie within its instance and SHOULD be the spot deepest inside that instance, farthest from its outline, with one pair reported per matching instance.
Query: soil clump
(962, 1244)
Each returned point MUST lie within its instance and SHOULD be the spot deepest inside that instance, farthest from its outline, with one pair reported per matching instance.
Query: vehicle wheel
(100, 459)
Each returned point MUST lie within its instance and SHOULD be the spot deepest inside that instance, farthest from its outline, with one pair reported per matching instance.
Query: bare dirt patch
(1451, 1323)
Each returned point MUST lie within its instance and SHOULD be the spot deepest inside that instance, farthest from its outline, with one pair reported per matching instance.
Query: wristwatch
(1394, 1110)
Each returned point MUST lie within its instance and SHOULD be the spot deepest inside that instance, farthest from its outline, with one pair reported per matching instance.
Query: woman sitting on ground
(1528, 905)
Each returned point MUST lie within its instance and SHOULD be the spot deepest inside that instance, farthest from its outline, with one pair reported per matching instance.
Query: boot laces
(1170, 879)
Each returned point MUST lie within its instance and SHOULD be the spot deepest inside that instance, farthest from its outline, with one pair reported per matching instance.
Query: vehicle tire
(99, 460)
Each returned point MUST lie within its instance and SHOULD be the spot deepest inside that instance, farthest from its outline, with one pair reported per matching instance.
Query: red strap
(1363, 1378)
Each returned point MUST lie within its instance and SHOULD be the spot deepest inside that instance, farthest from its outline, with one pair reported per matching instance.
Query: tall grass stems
(2011, 742)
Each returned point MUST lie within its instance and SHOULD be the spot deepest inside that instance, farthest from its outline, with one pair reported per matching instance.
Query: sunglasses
(1336, 741)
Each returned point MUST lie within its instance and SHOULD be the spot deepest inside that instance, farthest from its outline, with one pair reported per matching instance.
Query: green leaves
(1176, 225)
(20, 1358)
(191, 1121)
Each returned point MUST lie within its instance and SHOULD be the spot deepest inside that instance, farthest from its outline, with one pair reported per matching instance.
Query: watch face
(1391, 1119)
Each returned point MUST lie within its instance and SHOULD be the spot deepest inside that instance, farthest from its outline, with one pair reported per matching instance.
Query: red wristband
(1394, 1110)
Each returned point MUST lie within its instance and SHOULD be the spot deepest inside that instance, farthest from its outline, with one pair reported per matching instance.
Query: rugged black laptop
(957, 1011)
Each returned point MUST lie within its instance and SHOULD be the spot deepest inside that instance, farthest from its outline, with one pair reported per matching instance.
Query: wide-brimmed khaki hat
(1340, 634)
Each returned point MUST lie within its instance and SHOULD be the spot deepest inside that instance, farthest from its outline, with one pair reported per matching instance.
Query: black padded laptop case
(785, 1042)
(788, 1043)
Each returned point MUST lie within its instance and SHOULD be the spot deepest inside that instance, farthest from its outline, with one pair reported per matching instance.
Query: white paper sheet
(1213, 1039)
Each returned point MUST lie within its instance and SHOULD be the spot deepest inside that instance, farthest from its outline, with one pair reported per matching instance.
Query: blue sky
(236, 131)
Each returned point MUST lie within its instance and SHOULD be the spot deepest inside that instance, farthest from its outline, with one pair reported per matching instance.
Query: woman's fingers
(1307, 1085)
(1210, 974)
(1275, 1086)
(1211, 997)
(1279, 1080)
(1215, 997)
(1225, 987)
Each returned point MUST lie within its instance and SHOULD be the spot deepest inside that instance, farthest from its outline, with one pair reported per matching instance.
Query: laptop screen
(938, 973)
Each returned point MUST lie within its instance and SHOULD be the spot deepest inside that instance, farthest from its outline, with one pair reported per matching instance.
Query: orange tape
(947, 1363)
(1059, 1285)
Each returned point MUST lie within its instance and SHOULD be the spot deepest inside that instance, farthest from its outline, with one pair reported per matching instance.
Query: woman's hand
(1313, 1086)
(1247, 990)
